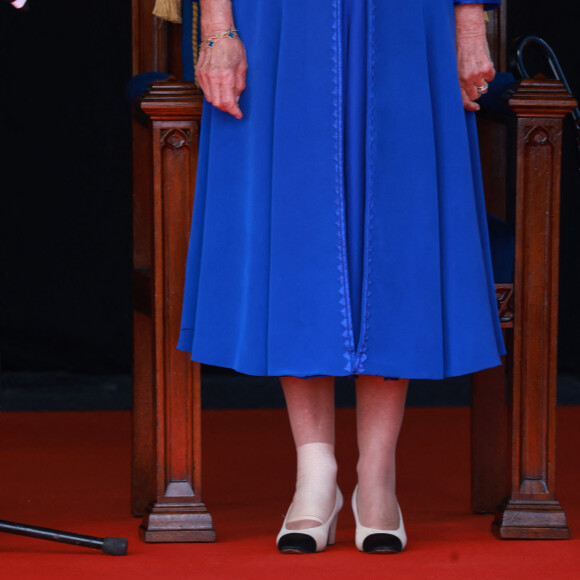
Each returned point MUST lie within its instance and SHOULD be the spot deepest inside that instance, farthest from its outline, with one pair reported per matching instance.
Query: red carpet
(72, 471)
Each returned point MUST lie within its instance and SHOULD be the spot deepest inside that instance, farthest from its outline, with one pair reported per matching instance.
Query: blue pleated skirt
(339, 228)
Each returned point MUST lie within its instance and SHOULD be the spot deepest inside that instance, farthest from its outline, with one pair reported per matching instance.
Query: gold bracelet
(210, 41)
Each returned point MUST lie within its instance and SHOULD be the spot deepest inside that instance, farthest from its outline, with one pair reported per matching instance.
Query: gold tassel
(168, 10)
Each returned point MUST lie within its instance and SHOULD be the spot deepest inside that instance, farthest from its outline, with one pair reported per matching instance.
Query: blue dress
(339, 228)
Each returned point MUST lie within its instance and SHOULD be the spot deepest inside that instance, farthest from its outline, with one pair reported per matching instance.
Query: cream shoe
(310, 540)
(374, 541)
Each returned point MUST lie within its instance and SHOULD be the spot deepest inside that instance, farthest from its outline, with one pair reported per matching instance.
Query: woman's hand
(473, 60)
(221, 73)
(221, 68)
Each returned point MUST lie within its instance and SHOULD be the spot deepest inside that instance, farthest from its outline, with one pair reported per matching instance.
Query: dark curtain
(66, 192)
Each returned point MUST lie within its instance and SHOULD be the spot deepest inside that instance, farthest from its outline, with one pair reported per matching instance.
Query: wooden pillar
(167, 387)
(532, 510)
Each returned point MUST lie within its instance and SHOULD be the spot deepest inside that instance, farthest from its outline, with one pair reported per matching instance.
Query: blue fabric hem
(388, 374)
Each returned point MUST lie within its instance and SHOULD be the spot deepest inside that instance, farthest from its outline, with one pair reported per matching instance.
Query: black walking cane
(112, 546)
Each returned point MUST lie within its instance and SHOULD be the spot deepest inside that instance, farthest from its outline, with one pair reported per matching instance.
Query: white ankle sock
(315, 483)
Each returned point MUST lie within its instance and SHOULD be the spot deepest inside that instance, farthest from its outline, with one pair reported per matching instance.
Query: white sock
(315, 483)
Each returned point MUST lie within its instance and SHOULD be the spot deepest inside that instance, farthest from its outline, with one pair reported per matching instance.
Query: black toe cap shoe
(382, 544)
(297, 544)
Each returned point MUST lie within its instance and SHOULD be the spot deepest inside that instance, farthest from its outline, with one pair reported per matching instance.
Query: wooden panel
(143, 463)
(494, 156)
(149, 39)
(174, 32)
(489, 439)
(496, 36)
(143, 466)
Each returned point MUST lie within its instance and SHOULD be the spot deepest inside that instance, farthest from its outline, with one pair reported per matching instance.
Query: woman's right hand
(221, 74)
(473, 60)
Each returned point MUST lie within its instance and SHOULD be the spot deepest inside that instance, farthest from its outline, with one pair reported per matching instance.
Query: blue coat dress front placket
(339, 228)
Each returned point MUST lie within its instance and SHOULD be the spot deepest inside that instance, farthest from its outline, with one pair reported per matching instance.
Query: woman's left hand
(474, 64)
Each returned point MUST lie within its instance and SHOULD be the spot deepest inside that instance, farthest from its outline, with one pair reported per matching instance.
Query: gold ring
(482, 88)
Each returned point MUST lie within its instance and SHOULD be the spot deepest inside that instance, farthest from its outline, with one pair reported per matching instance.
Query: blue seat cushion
(139, 83)
(496, 97)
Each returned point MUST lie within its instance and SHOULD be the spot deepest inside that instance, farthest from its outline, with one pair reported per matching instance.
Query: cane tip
(115, 546)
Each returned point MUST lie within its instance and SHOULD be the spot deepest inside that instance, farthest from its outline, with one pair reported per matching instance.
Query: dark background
(66, 201)
(65, 221)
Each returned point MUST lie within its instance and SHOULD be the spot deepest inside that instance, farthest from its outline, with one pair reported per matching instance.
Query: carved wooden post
(176, 512)
(532, 511)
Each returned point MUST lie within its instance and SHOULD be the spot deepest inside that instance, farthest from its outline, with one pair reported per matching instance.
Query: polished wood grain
(532, 510)
(518, 424)
(149, 39)
(167, 408)
(143, 489)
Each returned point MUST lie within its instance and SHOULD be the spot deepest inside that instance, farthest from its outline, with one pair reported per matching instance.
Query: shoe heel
(332, 531)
